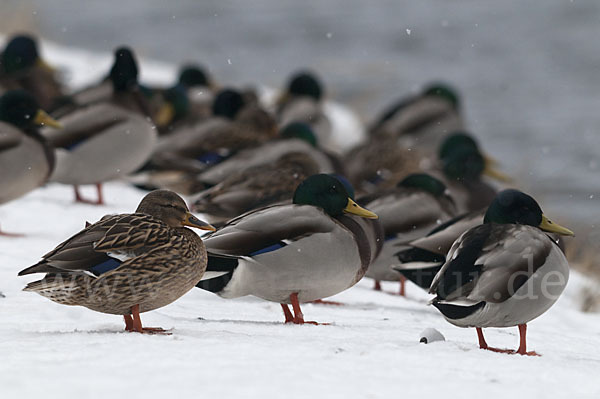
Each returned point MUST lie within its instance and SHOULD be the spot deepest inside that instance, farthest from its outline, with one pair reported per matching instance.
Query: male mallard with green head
(505, 272)
(293, 253)
(106, 139)
(127, 264)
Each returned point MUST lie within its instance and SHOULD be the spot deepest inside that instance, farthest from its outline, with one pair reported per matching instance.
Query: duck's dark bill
(353, 208)
(551, 227)
(193, 221)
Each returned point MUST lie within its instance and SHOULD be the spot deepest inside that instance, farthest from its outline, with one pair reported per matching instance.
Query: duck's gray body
(265, 154)
(405, 215)
(322, 256)
(517, 273)
(113, 142)
(309, 111)
(25, 162)
(422, 123)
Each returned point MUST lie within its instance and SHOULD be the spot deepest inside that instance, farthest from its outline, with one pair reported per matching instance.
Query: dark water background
(528, 71)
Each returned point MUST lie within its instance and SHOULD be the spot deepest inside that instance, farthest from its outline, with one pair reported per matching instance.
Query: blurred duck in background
(407, 211)
(423, 120)
(26, 157)
(21, 67)
(106, 139)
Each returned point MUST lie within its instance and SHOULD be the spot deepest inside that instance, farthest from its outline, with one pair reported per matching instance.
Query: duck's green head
(176, 106)
(124, 72)
(455, 141)
(228, 103)
(19, 108)
(462, 159)
(515, 207)
(194, 75)
(21, 53)
(328, 193)
(443, 90)
(425, 182)
(306, 84)
(299, 130)
(463, 163)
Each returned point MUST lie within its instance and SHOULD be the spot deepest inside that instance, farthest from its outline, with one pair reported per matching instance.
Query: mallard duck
(504, 272)
(127, 264)
(302, 101)
(120, 87)
(418, 202)
(200, 89)
(255, 187)
(26, 158)
(380, 163)
(421, 259)
(233, 127)
(100, 142)
(21, 67)
(462, 166)
(293, 253)
(191, 176)
(422, 120)
(296, 137)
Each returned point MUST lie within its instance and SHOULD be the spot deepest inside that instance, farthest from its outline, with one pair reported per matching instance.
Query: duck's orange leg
(523, 342)
(289, 318)
(484, 345)
(128, 322)
(298, 316)
(137, 324)
(79, 197)
(377, 286)
(402, 291)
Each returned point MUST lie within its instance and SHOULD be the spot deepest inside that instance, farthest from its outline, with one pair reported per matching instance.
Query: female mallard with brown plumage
(127, 264)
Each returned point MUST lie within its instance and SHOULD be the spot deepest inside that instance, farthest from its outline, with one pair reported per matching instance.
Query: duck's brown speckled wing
(122, 233)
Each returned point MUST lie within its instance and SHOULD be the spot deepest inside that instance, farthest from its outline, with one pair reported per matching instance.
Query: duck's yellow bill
(44, 65)
(192, 221)
(490, 171)
(353, 208)
(42, 118)
(551, 227)
(165, 115)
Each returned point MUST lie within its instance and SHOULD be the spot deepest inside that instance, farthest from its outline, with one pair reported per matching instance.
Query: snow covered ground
(241, 348)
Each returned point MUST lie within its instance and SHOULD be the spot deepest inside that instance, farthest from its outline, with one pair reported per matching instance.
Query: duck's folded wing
(84, 123)
(263, 228)
(116, 234)
(134, 231)
(440, 239)
(490, 263)
(9, 137)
